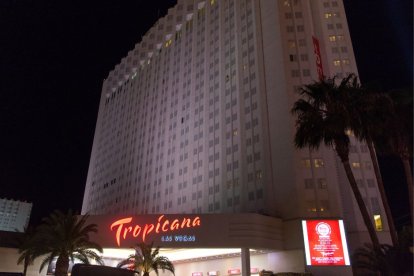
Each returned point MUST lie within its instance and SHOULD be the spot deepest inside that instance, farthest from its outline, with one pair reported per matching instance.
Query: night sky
(54, 56)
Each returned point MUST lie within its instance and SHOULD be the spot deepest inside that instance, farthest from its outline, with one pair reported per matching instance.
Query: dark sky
(54, 56)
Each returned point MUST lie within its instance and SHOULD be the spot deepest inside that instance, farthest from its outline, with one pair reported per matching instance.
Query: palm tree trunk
(361, 204)
(387, 209)
(25, 265)
(409, 179)
(62, 265)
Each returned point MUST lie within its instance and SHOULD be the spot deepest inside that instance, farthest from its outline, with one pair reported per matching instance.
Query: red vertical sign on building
(325, 242)
(317, 52)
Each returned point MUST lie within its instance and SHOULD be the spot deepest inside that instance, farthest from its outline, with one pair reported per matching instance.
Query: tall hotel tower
(196, 118)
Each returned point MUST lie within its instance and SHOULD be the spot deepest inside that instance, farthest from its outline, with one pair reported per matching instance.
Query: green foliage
(388, 260)
(146, 259)
(62, 236)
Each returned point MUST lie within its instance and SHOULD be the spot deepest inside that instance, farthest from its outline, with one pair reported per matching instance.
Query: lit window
(340, 37)
(322, 183)
(345, 61)
(328, 15)
(337, 62)
(378, 222)
(286, 3)
(306, 163)
(168, 43)
(356, 165)
(310, 206)
(324, 205)
(332, 38)
(318, 163)
(292, 44)
(349, 132)
(212, 2)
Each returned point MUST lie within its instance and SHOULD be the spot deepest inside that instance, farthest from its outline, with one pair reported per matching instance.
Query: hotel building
(14, 215)
(196, 119)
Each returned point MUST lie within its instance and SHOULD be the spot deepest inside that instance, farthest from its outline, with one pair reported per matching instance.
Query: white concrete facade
(14, 215)
(196, 118)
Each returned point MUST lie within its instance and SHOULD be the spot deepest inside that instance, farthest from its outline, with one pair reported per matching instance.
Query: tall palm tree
(146, 259)
(399, 135)
(321, 118)
(369, 110)
(65, 237)
(26, 249)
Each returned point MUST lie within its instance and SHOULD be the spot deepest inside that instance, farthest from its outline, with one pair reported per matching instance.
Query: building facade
(196, 118)
(14, 215)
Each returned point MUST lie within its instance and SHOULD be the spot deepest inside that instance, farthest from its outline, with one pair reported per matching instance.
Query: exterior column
(245, 260)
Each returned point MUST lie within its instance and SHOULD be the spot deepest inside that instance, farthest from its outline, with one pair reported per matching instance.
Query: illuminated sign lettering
(125, 227)
(317, 52)
(325, 242)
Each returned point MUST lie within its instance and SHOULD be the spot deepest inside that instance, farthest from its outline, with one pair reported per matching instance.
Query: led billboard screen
(325, 243)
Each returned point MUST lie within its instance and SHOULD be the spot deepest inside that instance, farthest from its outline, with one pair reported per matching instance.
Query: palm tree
(369, 110)
(26, 249)
(146, 259)
(322, 118)
(389, 260)
(65, 237)
(399, 135)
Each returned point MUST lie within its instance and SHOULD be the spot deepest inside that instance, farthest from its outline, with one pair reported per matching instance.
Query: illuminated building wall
(196, 118)
(14, 215)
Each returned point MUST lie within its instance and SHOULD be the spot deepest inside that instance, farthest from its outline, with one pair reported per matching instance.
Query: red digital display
(325, 242)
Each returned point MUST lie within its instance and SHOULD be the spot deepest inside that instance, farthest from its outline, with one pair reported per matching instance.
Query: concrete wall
(8, 263)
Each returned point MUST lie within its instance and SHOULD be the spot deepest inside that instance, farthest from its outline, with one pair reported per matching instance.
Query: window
(303, 57)
(332, 38)
(295, 73)
(345, 61)
(356, 165)
(311, 206)
(302, 42)
(337, 62)
(328, 15)
(308, 183)
(368, 165)
(306, 163)
(318, 163)
(378, 222)
(324, 205)
(291, 43)
(322, 183)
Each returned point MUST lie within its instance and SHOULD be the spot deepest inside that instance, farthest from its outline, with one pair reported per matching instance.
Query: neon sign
(325, 242)
(125, 228)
